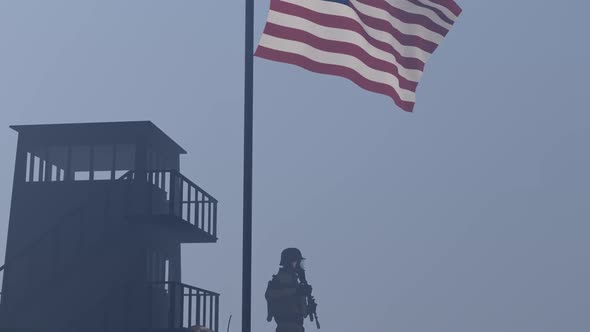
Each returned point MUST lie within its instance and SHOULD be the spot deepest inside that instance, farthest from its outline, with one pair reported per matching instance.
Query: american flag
(381, 45)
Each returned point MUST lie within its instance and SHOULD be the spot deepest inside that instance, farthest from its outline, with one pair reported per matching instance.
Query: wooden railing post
(181, 302)
(198, 307)
(190, 307)
(215, 219)
(203, 211)
(216, 327)
(181, 200)
(188, 202)
(172, 194)
(211, 311)
(197, 207)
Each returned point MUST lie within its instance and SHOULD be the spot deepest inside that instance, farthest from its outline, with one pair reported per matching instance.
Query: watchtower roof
(98, 133)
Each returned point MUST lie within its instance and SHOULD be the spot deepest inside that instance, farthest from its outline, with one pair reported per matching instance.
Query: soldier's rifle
(311, 304)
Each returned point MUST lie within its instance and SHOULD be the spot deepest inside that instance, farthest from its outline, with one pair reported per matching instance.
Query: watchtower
(98, 214)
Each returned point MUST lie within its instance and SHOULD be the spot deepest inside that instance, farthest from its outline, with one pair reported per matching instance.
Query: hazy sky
(470, 214)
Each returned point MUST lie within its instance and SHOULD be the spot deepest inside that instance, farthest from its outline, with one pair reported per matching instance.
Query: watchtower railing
(178, 196)
(188, 306)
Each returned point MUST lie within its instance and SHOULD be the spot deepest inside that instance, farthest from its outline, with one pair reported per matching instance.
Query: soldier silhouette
(288, 294)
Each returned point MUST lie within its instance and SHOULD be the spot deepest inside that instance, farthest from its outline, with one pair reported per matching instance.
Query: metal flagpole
(248, 141)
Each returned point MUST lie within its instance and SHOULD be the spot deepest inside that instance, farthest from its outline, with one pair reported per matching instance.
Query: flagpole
(248, 142)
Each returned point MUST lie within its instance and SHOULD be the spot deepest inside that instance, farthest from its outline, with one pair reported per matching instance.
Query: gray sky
(470, 214)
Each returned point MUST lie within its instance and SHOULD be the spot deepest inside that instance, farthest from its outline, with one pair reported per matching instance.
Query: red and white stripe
(381, 45)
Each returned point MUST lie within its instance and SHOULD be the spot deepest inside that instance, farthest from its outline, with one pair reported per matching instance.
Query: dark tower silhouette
(98, 214)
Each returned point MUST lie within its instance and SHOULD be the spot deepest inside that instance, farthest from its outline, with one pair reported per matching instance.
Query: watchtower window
(103, 158)
(124, 159)
(48, 164)
(58, 158)
(79, 162)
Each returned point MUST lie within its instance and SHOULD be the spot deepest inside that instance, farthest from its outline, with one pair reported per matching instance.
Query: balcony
(174, 305)
(179, 205)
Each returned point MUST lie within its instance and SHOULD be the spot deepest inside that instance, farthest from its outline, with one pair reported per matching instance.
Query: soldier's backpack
(269, 302)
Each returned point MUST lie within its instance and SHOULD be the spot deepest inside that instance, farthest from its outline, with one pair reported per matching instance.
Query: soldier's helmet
(290, 255)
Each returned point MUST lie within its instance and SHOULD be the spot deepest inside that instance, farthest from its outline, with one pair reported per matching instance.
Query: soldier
(286, 295)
